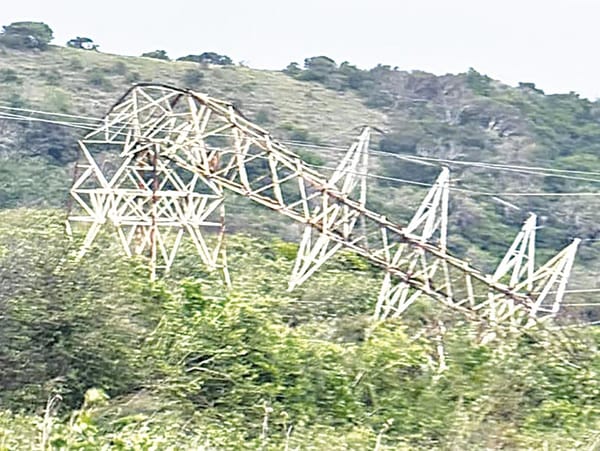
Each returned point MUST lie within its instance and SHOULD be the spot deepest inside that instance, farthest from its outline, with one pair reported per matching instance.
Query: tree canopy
(208, 58)
(156, 54)
(26, 35)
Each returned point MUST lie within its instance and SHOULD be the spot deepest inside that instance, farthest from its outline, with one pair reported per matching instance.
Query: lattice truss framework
(151, 202)
(210, 146)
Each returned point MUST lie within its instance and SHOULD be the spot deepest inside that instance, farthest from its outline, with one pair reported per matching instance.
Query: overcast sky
(553, 43)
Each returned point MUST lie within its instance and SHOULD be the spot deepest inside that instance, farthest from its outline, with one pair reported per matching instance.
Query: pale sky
(553, 43)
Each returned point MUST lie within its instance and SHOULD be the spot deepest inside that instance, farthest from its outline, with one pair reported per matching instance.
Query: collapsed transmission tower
(349, 176)
(430, 224)
(179, 150)
(151, 203)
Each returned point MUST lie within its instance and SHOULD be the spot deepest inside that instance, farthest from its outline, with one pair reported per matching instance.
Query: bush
(14, 98)
(56, 99)
(9, 76)
(52, 76)
(133, 77)
(298, 133)
(96, 78)
(71, 341)
(75, 64)
(400, 142)
(479, 84)
(119, 68)
(192, 77)
(156, 54)
(208, 58)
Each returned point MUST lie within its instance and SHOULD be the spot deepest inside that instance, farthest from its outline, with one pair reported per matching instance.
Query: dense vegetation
(184, 362)
(93, 356)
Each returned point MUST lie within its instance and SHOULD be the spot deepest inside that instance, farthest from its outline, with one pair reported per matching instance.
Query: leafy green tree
(480, 84)
(215, 58)
(318, 68)
(292, 69)
(208, 58)
(26, 35)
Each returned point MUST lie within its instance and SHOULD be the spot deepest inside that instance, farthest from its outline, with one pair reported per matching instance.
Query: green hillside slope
(187, 364)
(94, 356)
(465, 117)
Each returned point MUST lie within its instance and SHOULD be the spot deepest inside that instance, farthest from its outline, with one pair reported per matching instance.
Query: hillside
(465, 117)
(94, 356)
(186, 364)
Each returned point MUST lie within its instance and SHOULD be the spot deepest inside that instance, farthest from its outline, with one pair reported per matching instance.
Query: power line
(369, 175)
(455, 162)
(10, 116)
(532, 170)
(48, 113)
(572, 326)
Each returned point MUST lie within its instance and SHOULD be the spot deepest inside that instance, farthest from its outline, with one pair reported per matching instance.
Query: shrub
(52, 76)
(192, 77)
(479, 84)
(54, 142)
(75, 64)
(9, 76)
(208, 58)
(119, 68)
(156, 54)
(133, 77)
(56, 99)
(98, 79)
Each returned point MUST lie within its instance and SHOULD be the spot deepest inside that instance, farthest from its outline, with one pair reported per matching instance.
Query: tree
(215, 58)
(82, 44)
(292, 69)
(157, 54)
(26, 35)
(208, 58)
(318, 68)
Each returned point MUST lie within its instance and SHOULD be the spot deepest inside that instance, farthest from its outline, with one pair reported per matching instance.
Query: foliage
(299, 134)
(119, 68)
(52, 77)
(157, 54)
(478, 83)
(10, 76)
(51, 141)
(208, 58)
(193, 78)
(185, 363)
(346, 76)
(96, 77)
(26, 35)
(56, 99)
(72, 339)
